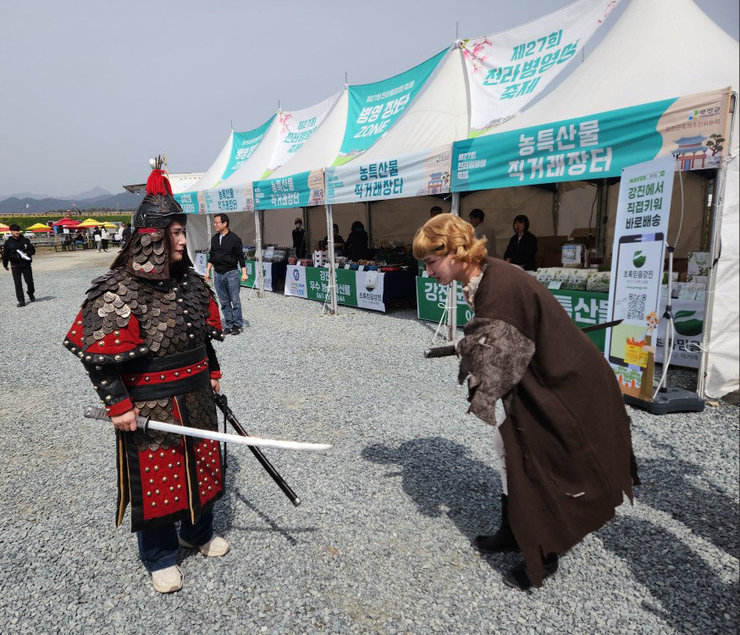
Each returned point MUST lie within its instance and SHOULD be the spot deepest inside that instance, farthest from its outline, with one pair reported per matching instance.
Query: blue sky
(91, 90)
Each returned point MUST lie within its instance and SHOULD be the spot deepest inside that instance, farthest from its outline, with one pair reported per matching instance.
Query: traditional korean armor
(144, 336)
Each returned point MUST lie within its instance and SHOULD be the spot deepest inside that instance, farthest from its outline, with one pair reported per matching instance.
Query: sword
(145, 423)
(221, 402)
(449, 349)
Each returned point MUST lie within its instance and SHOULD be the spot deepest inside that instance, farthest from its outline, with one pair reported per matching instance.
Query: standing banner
(373, 108)
(295, 128)
(414, 174)
(508, 70)
(640, 233)
(243, 145)
(692, 129)
(251, 281)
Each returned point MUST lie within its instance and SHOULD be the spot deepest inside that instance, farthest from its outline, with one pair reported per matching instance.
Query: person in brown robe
(566, 433)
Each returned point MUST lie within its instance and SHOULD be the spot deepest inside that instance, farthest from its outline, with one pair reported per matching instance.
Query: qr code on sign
(636, 306)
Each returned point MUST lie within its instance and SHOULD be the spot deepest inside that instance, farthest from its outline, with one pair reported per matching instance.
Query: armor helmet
(147, 252)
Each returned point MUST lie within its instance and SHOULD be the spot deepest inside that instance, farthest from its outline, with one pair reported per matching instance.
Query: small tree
(714, 143)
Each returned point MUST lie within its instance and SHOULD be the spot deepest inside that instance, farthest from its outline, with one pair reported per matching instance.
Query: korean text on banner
(373, 108)
(243, 145)
(507, 70)
(417, 174)
(691, 128)
(297, 127)
(640, 232)
(299, 190)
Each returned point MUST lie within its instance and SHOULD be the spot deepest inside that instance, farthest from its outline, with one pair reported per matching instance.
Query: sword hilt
(91, 412)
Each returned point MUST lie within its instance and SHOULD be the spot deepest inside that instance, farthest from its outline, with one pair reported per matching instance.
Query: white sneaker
(167, 580)
(214, 548)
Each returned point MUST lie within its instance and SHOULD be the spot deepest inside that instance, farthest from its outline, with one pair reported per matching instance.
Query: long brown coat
(567, 434)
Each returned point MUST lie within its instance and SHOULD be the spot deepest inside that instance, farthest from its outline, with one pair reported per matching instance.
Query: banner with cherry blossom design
(508, 70)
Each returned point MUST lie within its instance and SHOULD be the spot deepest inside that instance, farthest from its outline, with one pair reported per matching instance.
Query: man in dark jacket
(18, 251)
(226, 253)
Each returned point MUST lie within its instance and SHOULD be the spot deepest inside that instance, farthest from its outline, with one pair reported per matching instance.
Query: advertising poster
(251, 267)
(295, 281)
(689, 129)
(638, 252)
(508, 70)
(374, 108)
(363, 289)
(414, 174)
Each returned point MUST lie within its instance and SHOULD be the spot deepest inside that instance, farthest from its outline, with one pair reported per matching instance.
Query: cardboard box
(585, 235)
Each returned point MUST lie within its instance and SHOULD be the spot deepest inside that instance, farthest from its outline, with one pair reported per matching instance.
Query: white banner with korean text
(507, 70)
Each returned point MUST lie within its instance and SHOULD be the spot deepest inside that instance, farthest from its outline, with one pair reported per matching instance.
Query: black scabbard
(269, 468)
(440, 351)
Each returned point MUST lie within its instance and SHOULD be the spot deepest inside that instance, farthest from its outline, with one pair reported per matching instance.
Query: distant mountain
(96, 192)
(27, 205)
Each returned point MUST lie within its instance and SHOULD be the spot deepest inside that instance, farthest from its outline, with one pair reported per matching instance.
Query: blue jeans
(158, 547)
(228, 287)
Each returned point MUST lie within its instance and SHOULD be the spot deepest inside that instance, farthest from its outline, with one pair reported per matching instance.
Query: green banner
(585, 308)
(595, 146)
(374, 108)
(243, 145)
(431, 298)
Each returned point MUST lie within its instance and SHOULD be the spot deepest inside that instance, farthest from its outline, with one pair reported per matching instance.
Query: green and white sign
(585, 308)
(431, 298)
(363, 289)
(640, 233)
(691, 129)
(299, 190)
(251, 282)
(373, 108)
(415, 174)
(243, 145)
(228, 199)
(590, 147)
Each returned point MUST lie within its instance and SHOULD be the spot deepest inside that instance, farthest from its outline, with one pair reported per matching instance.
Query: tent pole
(452, 292)
(258, 238)
(332, 270)
(556, 209)
(368, 223)
(714, 253)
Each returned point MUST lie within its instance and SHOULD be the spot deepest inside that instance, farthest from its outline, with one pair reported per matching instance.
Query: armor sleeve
(108, 384)
(213, 365)
(213, 321)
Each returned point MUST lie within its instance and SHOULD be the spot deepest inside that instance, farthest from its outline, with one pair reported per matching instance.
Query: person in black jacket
(356, 246)
(299, 239)
(226, 253)
(18, 251)
(522, 248)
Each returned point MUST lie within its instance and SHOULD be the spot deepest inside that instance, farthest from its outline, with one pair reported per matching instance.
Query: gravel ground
(381, 542)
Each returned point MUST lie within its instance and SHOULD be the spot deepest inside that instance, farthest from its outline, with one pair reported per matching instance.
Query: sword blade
(144, 423)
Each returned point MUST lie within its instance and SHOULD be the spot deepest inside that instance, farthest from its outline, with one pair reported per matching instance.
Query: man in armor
(144, 336)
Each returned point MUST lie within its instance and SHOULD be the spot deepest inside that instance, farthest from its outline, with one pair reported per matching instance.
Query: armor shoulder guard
(110, 330)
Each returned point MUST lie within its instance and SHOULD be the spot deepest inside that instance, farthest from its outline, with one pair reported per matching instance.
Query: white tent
(645, 57)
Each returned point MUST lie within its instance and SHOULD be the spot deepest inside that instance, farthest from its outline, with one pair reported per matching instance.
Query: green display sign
(431, 297)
